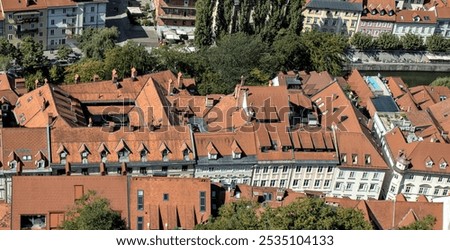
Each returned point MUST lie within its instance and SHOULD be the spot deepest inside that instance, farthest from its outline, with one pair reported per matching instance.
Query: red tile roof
(396, 86)
(225, 143)
(362, 90)
(379, 5)
(443, 12)
(425, 96)
(441, 113)
(22, 5)
(37, 194)
(316, 82)
(416, 16)
(6, 89)
(5, 216)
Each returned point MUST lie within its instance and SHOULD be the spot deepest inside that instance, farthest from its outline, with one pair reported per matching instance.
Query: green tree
(32, 55)
(411, 42)
(86, 69)
(5, 62)
(130, 55)
(235, 56)
(95, 42)
(240, 215)
(289, 52)
(362, 41)
(295, 18)
(56, 74)
(326, 51)
(93, 212)
(388, 41)
(8, 50)
(441, 81)
(437, 43)
(176, 59)
(30, 79)
(63, 52)
(313, 214)
(203, 32)
(426, 223)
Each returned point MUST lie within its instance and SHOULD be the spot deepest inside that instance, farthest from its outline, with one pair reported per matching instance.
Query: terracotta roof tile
(225, 143)
(5, 216)
(362, 90)
(443, 12)
(409, 16)
(316, 82)
(396, 86)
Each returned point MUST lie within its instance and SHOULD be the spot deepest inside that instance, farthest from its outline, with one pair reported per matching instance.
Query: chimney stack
(134, 74)
(36, 84)
(95, 78)
(180, 80)
(170, 87)
(114, 76)
(77, 78)
(242, 80)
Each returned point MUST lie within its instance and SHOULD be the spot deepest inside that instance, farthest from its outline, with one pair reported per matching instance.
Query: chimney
(270, 83)
(45, 81)
(77, 78)
(36, 84)
(242, 80)
(169, 87)
(50, 118)
(114, 76)
(90, 122)
(134, 74)
(180, 80)
(95, 78)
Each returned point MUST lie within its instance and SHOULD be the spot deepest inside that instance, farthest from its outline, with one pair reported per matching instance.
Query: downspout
(128, 201)
(194, 149)
(49, 148)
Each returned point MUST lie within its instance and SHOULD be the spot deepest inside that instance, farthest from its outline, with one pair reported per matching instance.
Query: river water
(411, 78)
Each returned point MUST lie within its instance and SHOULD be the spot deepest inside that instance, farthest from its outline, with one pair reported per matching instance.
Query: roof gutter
(49, 149)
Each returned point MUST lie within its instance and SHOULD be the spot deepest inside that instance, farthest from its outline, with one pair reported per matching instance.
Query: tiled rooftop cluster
(306, 132)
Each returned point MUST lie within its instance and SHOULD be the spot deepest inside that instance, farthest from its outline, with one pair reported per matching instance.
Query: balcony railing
(26, 20)
(177, 17)
(27, 31)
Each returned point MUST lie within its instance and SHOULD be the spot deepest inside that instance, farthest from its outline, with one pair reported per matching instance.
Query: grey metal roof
(334, 5)
(384, 104)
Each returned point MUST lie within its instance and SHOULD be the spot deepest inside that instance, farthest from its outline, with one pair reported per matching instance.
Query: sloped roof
(396, 86)
(225, 143)
(6, 89)
(362, 90)
(334, 5)
(409, 16)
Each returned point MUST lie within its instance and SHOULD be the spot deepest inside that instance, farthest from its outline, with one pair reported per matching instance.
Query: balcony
(26, 20)
(27, 31)
(177, 17)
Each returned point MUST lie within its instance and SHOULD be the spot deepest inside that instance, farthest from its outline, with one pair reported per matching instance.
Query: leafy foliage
(441, 81)
(63, 52)
(411, 42)
(425, 223)
(304, 214)
(8, 50)
(86, 69)
(203, 32)
(32, 55)
(362, 41)
(325, 50)
(31, 79)
(96, 42)
(5, 62)
(437, 43)
(93, 212)
(388, 41)
(124, 58)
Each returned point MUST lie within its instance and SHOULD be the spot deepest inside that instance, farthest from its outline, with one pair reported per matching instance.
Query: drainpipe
(194, 149)
(49, 148)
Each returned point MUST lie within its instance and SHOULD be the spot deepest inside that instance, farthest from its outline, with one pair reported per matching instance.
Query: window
(408, 189)
(257, 170)
(237, 155)
(212, 156)
(308, 169)
(423, 190)
(273, 183)
(84, 157)
(338, 185)
(298, 169)
(320, 169)
(354, 159)
(429, 164)
(282, 183)
(392, 189)
(37, 221)
(64, 21)
(349, 186)
(52, 22)
(202, 201)
(85, 171)
(367, 159)
(445, 192)
(352, 175)
(436, 191)
(165, 197)
(306, 183)
(285, 169)
(104, 155)
(63, 157)
(140, 200)
(123, 155)
(275, 169)
(165, 154)
(395, 176)
(265, 169)
(364, 176)
(52, 11)
(267, 196)
(410, 177)
(443, 165)
(52, 32)
(92, 9)
(263, 183)
(317, 183)
(440, 179)
(92, 19)
(362, 187)
(140, 223)
(344, 158)
(426, 178)
(341, 174)
(255, 183)
(186, 155)
(40, 164)
(143, 170)
(375, 175)
(295, 183)
(330, 169)
(184, 168)
(373, 187)
(326, 183)
(143, 155)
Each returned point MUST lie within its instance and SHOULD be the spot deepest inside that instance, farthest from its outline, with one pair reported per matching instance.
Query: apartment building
(340, 17)
(443, 21)
(418, 22)
(175, 19)
(378, 16)
(50, 22)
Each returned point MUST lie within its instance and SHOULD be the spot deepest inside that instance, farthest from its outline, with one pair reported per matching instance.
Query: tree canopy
(411, 42)
(32, 55)
(426, 223)
(362, 41)
(96, 42)
(437, 43)
(441, 81)
(388, 41)
(303, 214)
(93, 212)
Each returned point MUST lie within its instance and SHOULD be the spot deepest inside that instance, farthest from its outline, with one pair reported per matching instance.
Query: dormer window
(354, 159)
(382, 12)
(212, 156)
(365, 11)
(143, 154)
(124, 155)
(429, 163)
(104, 156)
(165, 154)
(344, 158)
(40, 164)
(367, 159)
(63, 157)
(12, 164)
(391, 13)
(374, 12)
(186, 155)
(443, 165)
(84, 157)
(237, 155)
